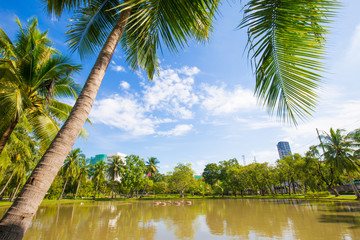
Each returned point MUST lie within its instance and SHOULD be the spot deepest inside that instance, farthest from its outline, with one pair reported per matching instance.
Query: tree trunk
(77, 188)
(17, 188)
(63, 190)
(96, 189)
(112, 188)
(7, 183)
(7, 133)
(353, 186)
(143, 191)
(18, 217)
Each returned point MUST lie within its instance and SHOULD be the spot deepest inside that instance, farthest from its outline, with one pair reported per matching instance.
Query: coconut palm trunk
(6, 134)
(16, 190)
(112, 187)
(63, 190)
(96, 190)
(77, 188)
(7, 183)
(353, 186)
(18, 217)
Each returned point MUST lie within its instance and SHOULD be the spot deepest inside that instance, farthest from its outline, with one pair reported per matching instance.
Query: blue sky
(201, 108)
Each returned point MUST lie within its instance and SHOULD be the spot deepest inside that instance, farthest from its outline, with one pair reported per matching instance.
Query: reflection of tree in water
(286, 220)
(243, 219)
(180, 219)
(107, 220)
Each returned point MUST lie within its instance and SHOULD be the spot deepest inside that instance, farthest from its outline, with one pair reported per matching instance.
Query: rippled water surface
(204, 219)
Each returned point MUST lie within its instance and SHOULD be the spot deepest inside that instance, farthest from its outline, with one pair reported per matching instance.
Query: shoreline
(331, 198)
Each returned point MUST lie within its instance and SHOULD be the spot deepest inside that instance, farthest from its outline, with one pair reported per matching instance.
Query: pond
(203, 219)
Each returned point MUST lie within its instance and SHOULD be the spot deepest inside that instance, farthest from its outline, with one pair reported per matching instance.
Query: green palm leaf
(286, 46)
(91, 25)
(156, 22)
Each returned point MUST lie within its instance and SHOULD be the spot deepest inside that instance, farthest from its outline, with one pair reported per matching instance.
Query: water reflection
(204, 219)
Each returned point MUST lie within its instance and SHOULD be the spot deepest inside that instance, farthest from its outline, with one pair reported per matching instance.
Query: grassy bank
(346, 198)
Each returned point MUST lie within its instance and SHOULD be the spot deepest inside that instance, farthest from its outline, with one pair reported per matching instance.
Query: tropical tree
(32, 76)
(71, 166)
(151, 170)
(152, 166)
(284, 80)
(132, 174)
(148, 24)
(19, 155)
(211, 173)
(181, 178)
(98, 175)
(113, 171)
(339, 153)
(83, 172)
(326, 172)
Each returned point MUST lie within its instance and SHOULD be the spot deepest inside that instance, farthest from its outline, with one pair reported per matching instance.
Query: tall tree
(71, 167)
(32, 76)
(132, 174)
(82, 174)
(181, 178)
(113, 171)
(339, 153)
(98, 175)
(152, 166)
(211, 173)
(148, 24)
(21, 152)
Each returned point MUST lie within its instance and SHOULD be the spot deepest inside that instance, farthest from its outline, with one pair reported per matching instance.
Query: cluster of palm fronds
(34, 77)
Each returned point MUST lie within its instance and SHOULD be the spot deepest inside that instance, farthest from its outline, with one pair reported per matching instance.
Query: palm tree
(32, 75)
(98, 175)
(21, 152)
(83, 173)
(71, 166)
(147, 24)
(113, 170)
(151, 169)
(151, 166)
(339, 154)
(23, 166)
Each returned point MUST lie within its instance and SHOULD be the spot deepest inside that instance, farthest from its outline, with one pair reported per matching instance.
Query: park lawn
(351, 198)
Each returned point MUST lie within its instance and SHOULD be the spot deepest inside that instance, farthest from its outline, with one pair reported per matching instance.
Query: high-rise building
(283, 149)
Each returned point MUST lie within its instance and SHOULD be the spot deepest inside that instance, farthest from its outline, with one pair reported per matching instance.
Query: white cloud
(124, 113)
(172, 92)
(190, 71)
(117, 68)
(179, 130)
(217, 100)
(124, 85)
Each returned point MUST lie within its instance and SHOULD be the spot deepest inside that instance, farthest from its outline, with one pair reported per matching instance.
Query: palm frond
(168, 22)
(91, 25)
(57, 7)
(286, 45)
(7, 48)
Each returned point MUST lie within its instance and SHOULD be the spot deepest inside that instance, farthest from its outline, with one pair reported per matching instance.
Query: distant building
(197, 177)
(98, 158)
(121, 155)
(283, 149)
(107, 159)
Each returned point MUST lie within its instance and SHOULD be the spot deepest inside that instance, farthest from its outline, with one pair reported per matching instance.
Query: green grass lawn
(351, 198)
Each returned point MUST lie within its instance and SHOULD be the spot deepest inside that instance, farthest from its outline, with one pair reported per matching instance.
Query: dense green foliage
(311, 174)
